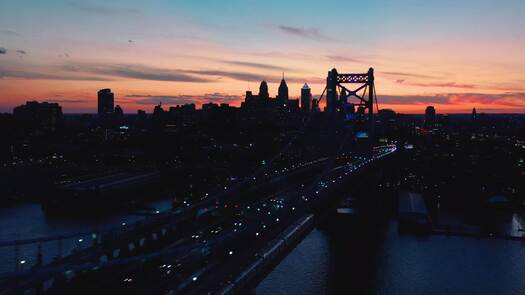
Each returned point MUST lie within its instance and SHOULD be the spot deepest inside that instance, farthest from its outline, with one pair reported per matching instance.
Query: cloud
(342, 58)
(256, 65)
(3, 50)
(99, 9)
(66, 101)
(443, 84)
(178, 75)
(43, 76)
(452, 84)
(136, 72)
(9, 33)
(23, 52)
(244, 76)
(508, 99)
(404, 74)
(436, 84)
(308, 33)
(148, 99)
(412, 99)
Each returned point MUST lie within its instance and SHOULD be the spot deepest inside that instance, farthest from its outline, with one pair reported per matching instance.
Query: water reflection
(382, 261)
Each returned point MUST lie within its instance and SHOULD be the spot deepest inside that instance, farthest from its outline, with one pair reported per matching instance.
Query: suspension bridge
(222, 243)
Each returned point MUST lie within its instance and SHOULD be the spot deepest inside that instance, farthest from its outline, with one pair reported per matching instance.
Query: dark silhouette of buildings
(118, 114)
(264, 103)
(43, 116)
(158, 110)
(306, 98)
(386, 115)
(141, 115)
(210, 106)
(430, 116)
(188, 107)
(118, 111)
(292, 105)
(106, 101)
(315, 105)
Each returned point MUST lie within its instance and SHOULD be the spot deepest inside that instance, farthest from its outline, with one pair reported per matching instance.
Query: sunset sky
(454, 55)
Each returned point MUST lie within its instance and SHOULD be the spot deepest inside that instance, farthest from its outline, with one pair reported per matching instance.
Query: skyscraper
(306, 98)
(331, 91)
(263, 91)
(282, 96)
(106, 102)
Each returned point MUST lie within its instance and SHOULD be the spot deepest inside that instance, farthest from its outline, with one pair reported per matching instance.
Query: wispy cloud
(509, 99)
(99, 9)
(442, 85)
(451, 84)
(341, 58)
(66, 101)
(136, 72)
(308, 33)
(43, 76)
(148, 99)
(242, 76)
(256, 65)
(413, 99)
(405, 74)
(9, 33)
(245, 76)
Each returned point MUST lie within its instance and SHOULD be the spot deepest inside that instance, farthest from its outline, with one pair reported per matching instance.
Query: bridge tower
(337, 93)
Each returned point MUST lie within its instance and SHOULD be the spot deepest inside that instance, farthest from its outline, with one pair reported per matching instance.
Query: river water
(343, 259)
(29, 221)
(383, 261)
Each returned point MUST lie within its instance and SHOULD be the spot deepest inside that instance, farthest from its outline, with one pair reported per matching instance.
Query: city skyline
(455, 56)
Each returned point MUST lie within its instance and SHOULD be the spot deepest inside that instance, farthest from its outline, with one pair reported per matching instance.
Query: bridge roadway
(88, 247)
(239, 274)
(208, 259)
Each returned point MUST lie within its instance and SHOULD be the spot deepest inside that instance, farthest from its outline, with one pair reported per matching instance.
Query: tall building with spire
(282, 96)
(306, 98)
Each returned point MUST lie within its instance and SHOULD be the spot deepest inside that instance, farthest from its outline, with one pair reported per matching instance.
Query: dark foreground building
(42, 115)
